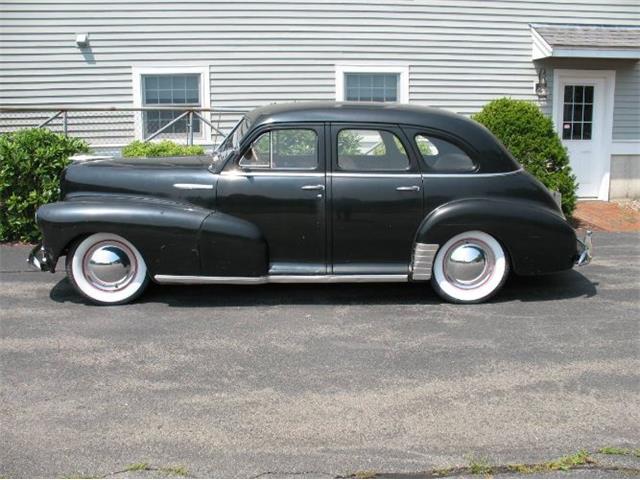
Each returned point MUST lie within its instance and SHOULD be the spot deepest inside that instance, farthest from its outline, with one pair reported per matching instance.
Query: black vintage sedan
(312, 192)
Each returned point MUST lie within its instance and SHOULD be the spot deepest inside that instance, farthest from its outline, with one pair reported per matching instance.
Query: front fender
(164, 232)
(231, 246)
(537, 239)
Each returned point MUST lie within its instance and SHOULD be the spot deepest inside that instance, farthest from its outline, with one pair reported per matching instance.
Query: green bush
(31, 162)
(532, 140)
(165, 148)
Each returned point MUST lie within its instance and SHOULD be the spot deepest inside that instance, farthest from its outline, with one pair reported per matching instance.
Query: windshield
(232, 140)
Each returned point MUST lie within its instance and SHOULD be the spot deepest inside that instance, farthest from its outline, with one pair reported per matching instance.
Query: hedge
(530, 137)
(31, 162)
(165, 148)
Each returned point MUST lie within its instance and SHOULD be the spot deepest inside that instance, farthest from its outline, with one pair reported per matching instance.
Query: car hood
(142, 162)
(153, 177)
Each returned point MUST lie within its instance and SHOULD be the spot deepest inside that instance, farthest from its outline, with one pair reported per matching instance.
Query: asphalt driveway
(318, 380)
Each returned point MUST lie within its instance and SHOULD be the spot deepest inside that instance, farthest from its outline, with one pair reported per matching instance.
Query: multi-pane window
(168, 90)
(577, 116)
(294, 149)
(371, 150)
(371, 87)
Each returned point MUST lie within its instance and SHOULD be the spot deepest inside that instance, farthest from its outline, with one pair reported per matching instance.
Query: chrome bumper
(585, 250)
(40, 259)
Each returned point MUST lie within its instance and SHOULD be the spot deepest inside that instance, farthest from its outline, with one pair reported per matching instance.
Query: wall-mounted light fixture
(82, 40)
(542, 90)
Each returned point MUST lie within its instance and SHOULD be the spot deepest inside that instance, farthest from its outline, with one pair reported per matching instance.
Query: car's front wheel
(470, 268)
(106, 269)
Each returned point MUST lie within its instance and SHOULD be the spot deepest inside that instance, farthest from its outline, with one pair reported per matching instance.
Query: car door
(278, 183)
(376, 199)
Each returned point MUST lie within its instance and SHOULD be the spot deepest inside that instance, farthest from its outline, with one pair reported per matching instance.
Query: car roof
(364, 112)
(490, 154)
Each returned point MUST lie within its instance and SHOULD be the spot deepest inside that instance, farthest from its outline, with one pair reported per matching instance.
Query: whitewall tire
(470, 268)
(106, 269)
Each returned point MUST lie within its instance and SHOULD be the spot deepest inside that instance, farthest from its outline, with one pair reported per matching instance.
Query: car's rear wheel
(470, 268)
(106, 269)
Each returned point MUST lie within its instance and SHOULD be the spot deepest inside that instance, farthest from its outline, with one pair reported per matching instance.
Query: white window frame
(401, 70)
(204, 137)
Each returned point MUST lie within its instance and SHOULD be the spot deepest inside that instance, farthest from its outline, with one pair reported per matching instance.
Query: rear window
(442, 156)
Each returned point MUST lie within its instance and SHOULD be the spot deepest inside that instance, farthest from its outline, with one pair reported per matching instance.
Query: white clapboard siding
(460, 53)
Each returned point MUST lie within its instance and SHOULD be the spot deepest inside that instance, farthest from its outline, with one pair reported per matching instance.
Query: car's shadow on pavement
(565, 285)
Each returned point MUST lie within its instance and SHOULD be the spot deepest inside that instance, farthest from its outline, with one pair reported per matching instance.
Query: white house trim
(594, 53)
(401, 69)
(625, 147)
(609, 76)
(539, 46)
(205, 92)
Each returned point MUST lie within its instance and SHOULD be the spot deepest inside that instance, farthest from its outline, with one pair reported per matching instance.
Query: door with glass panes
(580, 122)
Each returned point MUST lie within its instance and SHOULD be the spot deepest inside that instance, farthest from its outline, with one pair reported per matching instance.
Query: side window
(291, 149)
(370, 151)
(443, 156)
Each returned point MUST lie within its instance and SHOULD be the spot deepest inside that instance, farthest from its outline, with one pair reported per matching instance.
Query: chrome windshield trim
(194, 279)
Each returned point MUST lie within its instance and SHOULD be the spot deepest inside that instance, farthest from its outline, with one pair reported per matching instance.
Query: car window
(292, 149)
(371, 150)
(443, 156)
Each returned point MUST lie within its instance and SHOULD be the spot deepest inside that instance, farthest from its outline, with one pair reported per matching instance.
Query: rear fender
(537, 239)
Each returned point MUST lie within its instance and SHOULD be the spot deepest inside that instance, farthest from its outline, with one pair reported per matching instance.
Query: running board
(194, 279)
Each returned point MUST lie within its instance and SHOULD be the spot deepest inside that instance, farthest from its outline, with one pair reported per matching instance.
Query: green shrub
(31, 162)
(165, 148)
(532, 140)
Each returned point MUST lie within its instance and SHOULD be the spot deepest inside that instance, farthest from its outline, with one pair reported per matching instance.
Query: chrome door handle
(312, 187)
(412, 188)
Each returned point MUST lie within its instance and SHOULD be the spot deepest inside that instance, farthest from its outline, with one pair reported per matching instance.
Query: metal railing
(117, 126)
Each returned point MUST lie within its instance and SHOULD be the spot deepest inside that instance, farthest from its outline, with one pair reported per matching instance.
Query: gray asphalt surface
(324, 380)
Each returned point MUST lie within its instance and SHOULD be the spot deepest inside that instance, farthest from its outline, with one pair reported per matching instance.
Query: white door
(581, 117)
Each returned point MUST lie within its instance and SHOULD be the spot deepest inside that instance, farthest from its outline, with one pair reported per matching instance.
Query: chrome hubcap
(109, 265)
(468, 263)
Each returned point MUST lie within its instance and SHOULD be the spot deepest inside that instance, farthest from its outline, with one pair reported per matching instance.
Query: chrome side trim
(471, 175)
(271, 173)
(194, 279)
(373, 175)
(274, 173)
(423, 256)
(193, 186)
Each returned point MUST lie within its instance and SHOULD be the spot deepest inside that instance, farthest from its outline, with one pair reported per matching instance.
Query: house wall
(460, 54)
(625, 176)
